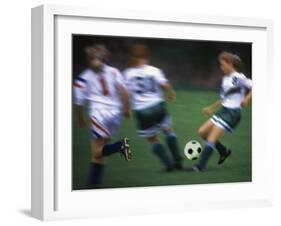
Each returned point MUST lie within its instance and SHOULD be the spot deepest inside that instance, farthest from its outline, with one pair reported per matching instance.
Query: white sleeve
(246, 82)
(80, 91)
(160, 77)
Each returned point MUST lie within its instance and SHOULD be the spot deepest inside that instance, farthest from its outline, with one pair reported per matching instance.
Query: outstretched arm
(247, 83)
(170, 92)
(246, 99)
(80, 91)
(209, 110)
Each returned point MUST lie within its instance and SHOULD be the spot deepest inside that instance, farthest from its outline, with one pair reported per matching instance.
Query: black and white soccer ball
(192, 150)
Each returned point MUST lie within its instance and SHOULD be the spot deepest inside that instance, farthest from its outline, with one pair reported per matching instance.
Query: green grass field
(145, 169)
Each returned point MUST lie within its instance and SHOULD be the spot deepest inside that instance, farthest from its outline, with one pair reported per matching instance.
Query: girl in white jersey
(102, 87)
(146, 84)
(235, 94)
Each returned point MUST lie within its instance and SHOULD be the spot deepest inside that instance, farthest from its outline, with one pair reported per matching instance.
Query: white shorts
(104, 123)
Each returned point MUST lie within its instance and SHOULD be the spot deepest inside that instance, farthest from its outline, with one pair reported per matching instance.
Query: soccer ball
(192, 150)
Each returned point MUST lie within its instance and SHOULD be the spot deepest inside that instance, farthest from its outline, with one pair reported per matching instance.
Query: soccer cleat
(224, 157)
(125, 149)
(196, 168)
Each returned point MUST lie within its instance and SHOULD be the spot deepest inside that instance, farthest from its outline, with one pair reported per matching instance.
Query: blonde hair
(232, 59)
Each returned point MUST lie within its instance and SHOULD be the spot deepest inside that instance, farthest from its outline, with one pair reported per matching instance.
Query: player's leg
(224, 152)
(204, 131)
(172, 143)
(171, 138)
(101, 135)
(121, 146)
(148, 121)
(100, 149)
(227, 119)
(107, 126)
(97, 166)
(214, 135)
(160, 152)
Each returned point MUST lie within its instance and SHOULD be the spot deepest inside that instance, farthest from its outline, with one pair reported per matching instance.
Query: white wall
(15, 112)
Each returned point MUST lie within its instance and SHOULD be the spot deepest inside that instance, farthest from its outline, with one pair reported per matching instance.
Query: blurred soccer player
(103, 88)
(145, 84)
(234, 97)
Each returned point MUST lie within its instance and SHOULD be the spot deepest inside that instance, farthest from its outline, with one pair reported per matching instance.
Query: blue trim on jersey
(81, 80)
(96, 134)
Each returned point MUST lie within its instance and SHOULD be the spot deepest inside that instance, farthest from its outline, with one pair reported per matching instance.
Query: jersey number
(145, 85)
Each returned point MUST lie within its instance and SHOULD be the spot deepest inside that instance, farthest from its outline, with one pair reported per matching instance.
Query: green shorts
(152, 119)
(227, 118)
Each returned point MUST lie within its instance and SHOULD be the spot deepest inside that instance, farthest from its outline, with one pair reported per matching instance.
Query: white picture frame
(52, 197)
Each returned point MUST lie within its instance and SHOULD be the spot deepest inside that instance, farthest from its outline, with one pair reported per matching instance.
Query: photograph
(159, 112)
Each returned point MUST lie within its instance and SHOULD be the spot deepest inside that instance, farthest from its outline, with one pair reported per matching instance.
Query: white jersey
(233, 89)
(99, 89)
(144, 85)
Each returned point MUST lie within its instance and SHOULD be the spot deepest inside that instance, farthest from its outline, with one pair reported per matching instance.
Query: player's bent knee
(98, 158)
(97, 154)
(202, 133)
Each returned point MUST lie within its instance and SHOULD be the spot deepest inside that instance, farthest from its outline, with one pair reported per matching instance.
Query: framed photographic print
(137, 112)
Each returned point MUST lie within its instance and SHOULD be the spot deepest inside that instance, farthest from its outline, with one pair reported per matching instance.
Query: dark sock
(159, 150)
(95, 175)
(172, 143)
(221, 148)
(205, 155)
(110, 149)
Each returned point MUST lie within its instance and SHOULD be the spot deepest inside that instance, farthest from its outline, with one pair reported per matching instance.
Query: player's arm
(165, 85)
(125, 99)
(124, 94)
(247, 83)
(80, 91)
(246, 99)
(209, 110)
(169, 90)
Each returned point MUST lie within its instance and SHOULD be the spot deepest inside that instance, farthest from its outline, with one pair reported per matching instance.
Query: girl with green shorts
(235, 95)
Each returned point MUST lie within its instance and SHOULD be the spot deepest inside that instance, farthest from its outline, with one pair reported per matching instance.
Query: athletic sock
(221, 148)
(110, 149)
(159, 150)
(205, 155)
(172, 143)
(95, 175)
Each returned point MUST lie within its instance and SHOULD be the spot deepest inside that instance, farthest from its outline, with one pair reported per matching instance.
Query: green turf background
(145, 169)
